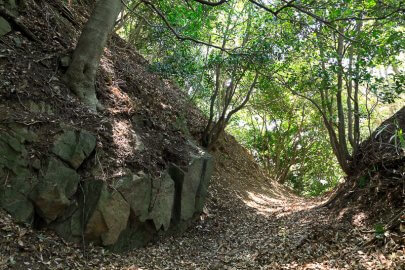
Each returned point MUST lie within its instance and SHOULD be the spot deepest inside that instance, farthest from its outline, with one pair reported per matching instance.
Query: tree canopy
(298, 82)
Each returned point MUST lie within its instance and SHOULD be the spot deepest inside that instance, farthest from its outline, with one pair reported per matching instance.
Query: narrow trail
(259, 232)
(254, 223)
(249, 223)
(266, 232)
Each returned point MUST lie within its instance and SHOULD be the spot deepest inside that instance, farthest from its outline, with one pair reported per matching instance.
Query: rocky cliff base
(117, 178)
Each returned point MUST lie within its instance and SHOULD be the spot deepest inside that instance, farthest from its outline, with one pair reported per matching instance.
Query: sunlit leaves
(294, 52)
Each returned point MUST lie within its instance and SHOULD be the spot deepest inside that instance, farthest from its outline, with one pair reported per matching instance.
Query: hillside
(120, 171)
(375, 191)
(117, 178)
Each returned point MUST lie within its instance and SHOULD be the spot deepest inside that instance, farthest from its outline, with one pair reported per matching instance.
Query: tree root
(64, 11)
(16, 22)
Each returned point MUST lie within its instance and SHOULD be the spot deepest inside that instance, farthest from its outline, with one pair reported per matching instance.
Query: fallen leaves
(249, 222)
(232, 235)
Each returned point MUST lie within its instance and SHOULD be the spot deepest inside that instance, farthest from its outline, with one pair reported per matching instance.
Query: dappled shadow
(253, 223)
(259, 231)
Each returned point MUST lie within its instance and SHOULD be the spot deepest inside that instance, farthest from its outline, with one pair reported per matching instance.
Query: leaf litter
(248, 223)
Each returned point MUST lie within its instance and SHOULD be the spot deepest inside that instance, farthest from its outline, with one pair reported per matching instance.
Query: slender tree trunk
(206, 136)
(214, 100)
(333, 138)
(327, 113)
(356, 112)
(81, 74)
(341, 115)
(349, 100)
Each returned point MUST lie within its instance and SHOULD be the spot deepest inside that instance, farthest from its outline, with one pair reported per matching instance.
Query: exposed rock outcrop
(4, 27)
(191, 185)
(137, 191)
(121, 214)
(52, 194)
(16, 178)
(109, 216)
(74, 147)
(161, 203)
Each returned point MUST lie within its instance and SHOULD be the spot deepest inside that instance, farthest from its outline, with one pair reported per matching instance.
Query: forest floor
(249, 223)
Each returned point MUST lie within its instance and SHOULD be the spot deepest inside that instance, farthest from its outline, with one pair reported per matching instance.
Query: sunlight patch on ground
(263, 204)
(123, 137)
(358, 219)
(267, 205)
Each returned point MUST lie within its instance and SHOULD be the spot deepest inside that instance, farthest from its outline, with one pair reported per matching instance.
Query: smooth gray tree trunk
(81, 74)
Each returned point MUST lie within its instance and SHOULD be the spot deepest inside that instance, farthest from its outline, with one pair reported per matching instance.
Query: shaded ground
(248, 224)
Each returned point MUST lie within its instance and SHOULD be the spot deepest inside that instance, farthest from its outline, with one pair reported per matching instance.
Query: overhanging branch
(274, 12)
(177, 35)
(212, 4)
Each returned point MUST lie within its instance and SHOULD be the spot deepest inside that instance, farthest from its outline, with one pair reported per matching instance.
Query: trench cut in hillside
(75, 182)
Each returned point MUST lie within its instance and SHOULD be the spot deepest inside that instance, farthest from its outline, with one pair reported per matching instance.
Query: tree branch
(275, 13)
(177, 35)
(19, 25)
(360, 18)
(252, 87)
(212, 4)
(319, 19)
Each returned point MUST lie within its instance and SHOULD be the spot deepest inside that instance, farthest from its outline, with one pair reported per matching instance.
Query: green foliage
(363, 181)
(293, 114)
(390, 88)
(181, 124)
(289, 141)
(398, 138)
(401, 138)
(379, 230)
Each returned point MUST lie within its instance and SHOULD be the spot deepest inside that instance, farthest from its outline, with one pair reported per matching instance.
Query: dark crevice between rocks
(202, 187)
(178, 177)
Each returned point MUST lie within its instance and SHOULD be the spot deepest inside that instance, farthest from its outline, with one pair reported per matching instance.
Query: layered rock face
(121, 214)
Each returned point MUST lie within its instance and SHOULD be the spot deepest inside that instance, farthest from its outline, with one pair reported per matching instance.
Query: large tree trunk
(81, 74)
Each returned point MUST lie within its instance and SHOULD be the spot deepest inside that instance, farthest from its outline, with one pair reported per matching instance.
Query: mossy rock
(206, 173)
(135, 236)
(13, 6)
(69, 225)
(16, 180)
(13, 154)
(39, 107)
(74, 147)
(162, 201)
(109, 215)
(137, 191)
(14, 189)
(191, 185)
(52, 194)
(4, 27)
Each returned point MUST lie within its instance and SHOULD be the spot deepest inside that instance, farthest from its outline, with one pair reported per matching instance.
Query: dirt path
(250, 223)
(264, 232)
(255, 230)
